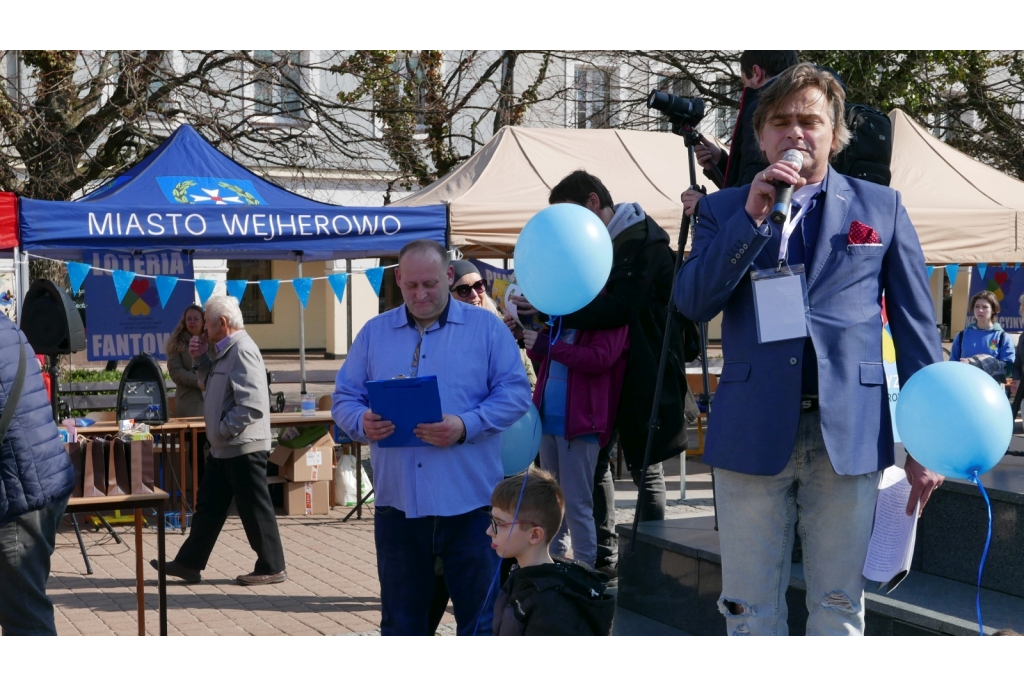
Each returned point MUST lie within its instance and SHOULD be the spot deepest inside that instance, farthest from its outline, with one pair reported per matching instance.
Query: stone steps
(674, 577)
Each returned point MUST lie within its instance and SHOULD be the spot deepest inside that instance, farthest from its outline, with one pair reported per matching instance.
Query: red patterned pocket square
(862, 234)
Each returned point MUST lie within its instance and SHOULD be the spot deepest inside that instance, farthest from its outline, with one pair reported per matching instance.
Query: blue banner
(1007, 284)
(138, 323)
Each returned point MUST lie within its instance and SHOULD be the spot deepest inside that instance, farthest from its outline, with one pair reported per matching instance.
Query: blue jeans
(26, 544)
(756, 520)
(406, 548)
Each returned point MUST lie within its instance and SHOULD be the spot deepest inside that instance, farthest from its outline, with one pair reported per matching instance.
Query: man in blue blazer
(801, 428)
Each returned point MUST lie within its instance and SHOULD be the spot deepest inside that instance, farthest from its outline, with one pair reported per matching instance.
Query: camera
(687, 111)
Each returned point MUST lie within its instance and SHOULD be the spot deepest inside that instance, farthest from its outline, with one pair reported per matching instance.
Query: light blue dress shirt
(481, 380)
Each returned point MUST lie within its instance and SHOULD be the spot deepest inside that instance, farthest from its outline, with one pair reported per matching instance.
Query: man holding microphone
(801, 427)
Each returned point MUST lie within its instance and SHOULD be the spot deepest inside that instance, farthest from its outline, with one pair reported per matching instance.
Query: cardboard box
(307, 499)
(310, 463)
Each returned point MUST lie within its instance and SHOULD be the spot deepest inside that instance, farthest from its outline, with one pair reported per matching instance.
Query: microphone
(784, 191)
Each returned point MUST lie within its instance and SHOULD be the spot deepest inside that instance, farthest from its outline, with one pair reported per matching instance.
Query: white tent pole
(17, 285)
(302, 333)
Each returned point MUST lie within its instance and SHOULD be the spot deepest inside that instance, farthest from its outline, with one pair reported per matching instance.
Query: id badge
(780, 303)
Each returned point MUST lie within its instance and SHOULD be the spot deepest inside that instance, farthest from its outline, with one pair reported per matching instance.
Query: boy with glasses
(543, 595)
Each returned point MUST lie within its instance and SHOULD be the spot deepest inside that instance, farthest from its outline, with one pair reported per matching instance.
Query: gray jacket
(237, 403)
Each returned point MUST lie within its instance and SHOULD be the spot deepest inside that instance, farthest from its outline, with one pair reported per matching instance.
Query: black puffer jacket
(637, 294)
(35, 470)
(563, 598)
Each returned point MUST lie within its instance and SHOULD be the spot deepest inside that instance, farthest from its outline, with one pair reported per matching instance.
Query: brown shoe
(257, 579)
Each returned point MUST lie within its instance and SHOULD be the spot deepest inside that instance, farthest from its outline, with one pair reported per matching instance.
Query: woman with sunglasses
(470, 287)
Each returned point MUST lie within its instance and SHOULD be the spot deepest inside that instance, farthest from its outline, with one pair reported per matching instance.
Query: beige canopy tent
(965, 212)
(496, 191)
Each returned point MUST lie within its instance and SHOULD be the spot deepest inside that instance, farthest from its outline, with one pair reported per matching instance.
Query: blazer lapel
(833, 221)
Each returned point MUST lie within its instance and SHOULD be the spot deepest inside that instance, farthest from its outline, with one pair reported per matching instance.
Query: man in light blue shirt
(434, 500)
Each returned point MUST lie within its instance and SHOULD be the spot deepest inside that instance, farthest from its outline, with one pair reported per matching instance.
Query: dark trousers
(26, 544)
(243, 478)
(652, 502)
(406, 548)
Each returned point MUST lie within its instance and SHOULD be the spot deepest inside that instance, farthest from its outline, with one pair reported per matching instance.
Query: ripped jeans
(756, 520)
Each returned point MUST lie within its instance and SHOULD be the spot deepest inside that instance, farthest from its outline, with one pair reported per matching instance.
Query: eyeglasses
(496, 524)
(463, 290)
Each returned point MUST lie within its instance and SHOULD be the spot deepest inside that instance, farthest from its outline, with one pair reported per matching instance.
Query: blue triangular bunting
(1003, 265)
(338, 282)
(205, 286)
(931, 270)
(269, 290)
(164, 288)
(951, 271)
(123, 281)
(236, 289)
(77, 273)
(375, 276)
(1016, 266)
(302, 288)
(981, 269)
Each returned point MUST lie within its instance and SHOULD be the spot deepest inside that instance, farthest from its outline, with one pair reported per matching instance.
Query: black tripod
(691, 138)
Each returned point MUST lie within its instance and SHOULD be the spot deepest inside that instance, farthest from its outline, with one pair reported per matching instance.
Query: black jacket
(35, 470)
(745, 160)
(563, 598)
(637, 294)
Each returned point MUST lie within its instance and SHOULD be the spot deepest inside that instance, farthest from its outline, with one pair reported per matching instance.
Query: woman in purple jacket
(577, 394)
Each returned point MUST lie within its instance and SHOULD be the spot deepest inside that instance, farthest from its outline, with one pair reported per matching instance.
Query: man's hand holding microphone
(772, 189)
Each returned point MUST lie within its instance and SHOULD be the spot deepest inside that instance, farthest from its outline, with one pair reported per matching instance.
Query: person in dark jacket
(36, 480)
(636, 294)
(543, 595)
(744, 159)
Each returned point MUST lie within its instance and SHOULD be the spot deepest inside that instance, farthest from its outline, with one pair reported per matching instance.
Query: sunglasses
(464, 290)
(496, 524)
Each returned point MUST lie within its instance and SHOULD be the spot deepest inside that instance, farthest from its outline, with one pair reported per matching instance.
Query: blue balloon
(520, 443)
(563, 258)
(954, 419)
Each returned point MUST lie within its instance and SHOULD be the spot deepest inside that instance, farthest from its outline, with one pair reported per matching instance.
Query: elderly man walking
(434, 500)
(237, 413)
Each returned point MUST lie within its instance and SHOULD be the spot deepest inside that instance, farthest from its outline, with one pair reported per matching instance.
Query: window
(725, 117)
(594, 88)
(278, 83)
(409, 67)
(254, 309)
(673, 85)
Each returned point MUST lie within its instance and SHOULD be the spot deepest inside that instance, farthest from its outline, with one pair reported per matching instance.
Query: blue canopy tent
(186, 195)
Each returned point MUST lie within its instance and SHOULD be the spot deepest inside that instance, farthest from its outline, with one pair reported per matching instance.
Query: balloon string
(984, 555)
(497, 574)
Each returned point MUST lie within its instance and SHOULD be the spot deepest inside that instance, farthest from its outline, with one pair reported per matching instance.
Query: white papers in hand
(893, 534)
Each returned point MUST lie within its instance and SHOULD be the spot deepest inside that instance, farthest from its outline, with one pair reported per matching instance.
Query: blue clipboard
(405, 402)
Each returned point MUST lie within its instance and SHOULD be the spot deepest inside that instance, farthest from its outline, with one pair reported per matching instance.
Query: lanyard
(804, 197)
(787, 230)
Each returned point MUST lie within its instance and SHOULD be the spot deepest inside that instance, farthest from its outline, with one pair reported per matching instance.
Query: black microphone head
(794, 156)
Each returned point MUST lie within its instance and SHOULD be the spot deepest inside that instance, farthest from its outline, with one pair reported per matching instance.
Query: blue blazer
(753, 423)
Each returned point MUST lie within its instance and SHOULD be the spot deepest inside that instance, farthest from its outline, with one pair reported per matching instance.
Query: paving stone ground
(332, 583)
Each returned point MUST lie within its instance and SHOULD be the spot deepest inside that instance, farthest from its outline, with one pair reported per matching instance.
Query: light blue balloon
(563, 258)
(954, 419)
(521, 443)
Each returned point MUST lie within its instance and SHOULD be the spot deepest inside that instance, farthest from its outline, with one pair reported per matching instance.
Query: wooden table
(138, 503)
(178, 427)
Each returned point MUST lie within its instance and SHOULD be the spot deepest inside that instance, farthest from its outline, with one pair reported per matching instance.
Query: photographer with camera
(744, 159)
